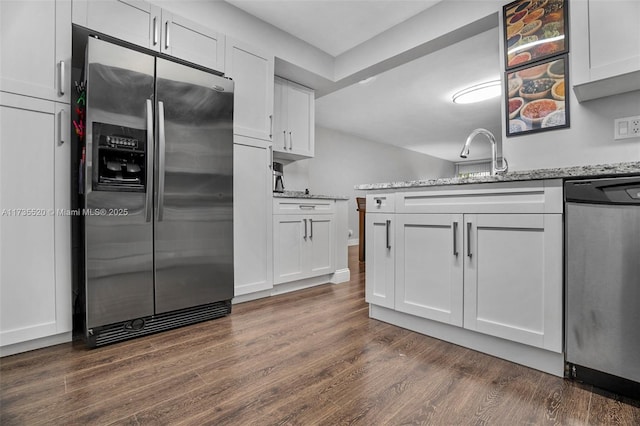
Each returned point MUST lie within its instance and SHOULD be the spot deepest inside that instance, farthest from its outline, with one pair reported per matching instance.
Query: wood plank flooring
(312, 357)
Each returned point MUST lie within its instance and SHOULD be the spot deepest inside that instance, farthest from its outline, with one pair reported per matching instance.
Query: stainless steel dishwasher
(602, 243)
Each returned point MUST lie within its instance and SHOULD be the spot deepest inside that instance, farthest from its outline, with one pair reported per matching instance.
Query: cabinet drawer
(381, 203)
(303, 206)
(508, 197)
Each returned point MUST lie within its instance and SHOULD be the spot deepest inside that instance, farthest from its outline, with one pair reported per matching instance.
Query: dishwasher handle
(623, 191)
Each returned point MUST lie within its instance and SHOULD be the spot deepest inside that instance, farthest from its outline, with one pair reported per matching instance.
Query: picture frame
(537, 97)
(534, 30)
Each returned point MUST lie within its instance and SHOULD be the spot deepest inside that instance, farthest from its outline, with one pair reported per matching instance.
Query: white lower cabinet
(252, 213)
(303, 243)
(380, 259)
(513, 277)
(35, 236)
(498, 274)
(429, 266)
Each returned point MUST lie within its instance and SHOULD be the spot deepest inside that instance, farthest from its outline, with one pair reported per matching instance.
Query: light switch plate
(626, 127)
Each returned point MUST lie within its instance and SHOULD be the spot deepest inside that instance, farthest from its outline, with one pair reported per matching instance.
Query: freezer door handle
(148, 178)
(161, 160)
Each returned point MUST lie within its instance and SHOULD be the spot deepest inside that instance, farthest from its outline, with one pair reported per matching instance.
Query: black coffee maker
(278, 183)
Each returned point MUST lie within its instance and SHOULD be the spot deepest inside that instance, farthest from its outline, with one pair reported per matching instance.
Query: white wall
(589, 140)
(342, 161)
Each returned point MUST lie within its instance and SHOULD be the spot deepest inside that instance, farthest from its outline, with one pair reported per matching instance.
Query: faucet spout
(495, 169)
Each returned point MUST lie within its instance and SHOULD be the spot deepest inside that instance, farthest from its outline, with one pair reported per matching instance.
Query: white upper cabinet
(35, 237)
(294, 120)
(35, 48)
(252, 73)
(135, 21)
(144, 24)
(605, 47)
(192, 42)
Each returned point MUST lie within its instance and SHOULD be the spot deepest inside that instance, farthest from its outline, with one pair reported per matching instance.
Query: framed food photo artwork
(534, 30)
(535, 98)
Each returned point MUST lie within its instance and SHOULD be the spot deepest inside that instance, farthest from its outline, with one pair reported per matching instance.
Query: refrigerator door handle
(161, 160)
(149, 176)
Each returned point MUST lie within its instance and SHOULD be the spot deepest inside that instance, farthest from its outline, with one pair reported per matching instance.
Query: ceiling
(333, 26)
(408, 106)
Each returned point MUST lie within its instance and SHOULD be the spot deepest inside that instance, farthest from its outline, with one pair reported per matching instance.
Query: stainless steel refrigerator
(158, 194)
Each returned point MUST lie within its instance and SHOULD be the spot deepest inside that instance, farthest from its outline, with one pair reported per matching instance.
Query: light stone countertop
(599, 170)
(302, 194)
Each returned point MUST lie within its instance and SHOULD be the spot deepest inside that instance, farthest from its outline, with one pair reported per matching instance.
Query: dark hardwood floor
(303, 358)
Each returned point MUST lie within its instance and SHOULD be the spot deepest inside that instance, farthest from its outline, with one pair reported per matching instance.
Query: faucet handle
(504, 168)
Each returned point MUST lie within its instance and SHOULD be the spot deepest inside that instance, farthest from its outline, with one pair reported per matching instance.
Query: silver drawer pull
(307, 206)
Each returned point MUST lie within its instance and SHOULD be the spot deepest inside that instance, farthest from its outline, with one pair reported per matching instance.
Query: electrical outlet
(626, 127)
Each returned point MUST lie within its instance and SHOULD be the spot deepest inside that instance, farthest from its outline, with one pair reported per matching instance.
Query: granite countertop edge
(302, 194)
(599, 170)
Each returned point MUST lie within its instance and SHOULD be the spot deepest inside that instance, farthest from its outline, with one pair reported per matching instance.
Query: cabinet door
(252, 217)
(429, 266)
(35, 249)
(380, 258)
(321, 243)
(252, 72)
(192, 42)
(513, 277)
(294, 120)
(289, 248)
(605, 44)
(35, 48)
(134, 21)
(280, 116)
(300, 120)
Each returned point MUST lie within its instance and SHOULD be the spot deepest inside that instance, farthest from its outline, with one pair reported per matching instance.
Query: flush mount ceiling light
(478, 92)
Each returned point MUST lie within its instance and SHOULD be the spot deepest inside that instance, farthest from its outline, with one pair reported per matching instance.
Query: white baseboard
(353, 241)
(341, 276)
(530, 356)
(30, 345)
(251, 296)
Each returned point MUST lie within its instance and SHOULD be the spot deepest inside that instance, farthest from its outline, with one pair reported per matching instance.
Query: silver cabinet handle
(155, 30)
(307, 206)
(271, 126)
(161, 160)
(60, 132)
(166, 35)
(148, 199)
(62, 86)
(270, 157)
(290, 141)
(284, 139)
(388, 241)
(469, 239)
(455, 239)
(311, 229)
(305, 228)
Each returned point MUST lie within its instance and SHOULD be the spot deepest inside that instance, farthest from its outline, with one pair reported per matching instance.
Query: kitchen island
(475, 261)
